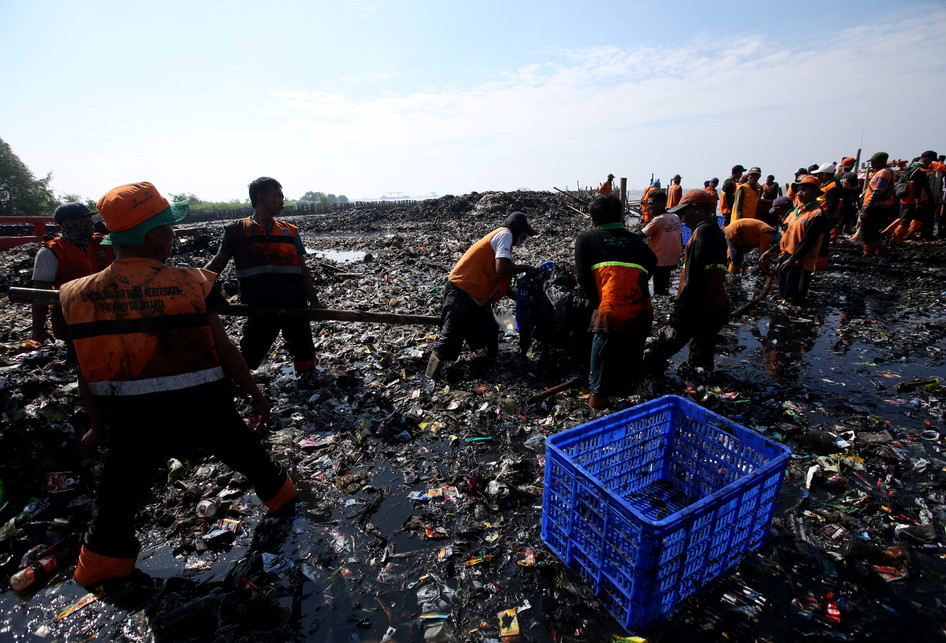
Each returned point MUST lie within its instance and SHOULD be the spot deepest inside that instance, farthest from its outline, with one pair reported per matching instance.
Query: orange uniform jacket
(797, 224)
(141, 327)
(475, 272)
(267, 264)
(612, 265)
(750, 233)
(712, 192)
(74, 262)
(645, 207)
(880, 188)
(674, 194)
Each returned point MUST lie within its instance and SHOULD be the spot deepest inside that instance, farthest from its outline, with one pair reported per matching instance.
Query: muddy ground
(422, 502)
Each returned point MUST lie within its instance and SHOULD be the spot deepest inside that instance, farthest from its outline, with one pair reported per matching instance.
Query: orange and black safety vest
(830, 199)
(797, 223)
(74, 262)
(619, 263)
(475, 272)
(142, 327)
(880, 188)
(267, 264)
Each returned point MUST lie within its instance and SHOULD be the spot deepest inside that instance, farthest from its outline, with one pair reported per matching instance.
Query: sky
(413, 98)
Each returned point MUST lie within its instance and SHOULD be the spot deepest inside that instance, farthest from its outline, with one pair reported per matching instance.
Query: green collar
(617, 225)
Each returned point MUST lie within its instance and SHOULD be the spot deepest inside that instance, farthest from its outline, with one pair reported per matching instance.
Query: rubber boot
(434, 366)
(598, 403)
(284, 497)
(868, 250)
(94, 568)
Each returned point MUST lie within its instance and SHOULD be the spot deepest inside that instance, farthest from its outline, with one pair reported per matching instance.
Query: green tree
(78, 198)
(21, 193)
(185, 196)
(312, 196)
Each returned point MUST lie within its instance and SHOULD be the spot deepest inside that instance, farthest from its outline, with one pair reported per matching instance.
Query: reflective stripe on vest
(624, 264)
(257, 253)
(268, 270)
(157, 384)
(140, 326)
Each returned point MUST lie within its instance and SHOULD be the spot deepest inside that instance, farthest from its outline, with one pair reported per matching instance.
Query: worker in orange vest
(747, 196)
(608, 186)
(645, 200)
(674, 191)
(478, 280)
(76, 252)
(159, 364)
(916, 204)
(711, 188)
(879, 206)
(804, 228)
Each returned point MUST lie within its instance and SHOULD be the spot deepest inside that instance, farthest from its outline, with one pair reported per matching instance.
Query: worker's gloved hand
(786, 265)
(262, 407)
(532, 271)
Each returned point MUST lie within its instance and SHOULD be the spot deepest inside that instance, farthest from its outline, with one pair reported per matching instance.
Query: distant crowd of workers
(155, 361)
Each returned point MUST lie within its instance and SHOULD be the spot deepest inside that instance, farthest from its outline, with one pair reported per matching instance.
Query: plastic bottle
(38, 571)
(33, 508)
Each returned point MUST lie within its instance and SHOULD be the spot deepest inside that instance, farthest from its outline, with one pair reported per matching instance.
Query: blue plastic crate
(686, 233)
(651, 503)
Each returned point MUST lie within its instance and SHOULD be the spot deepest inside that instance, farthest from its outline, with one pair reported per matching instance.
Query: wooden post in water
(624, 193)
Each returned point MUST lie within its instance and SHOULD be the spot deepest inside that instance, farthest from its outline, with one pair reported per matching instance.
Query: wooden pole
(624, 192)
(749, 304)
(549, 392)
(39, 296)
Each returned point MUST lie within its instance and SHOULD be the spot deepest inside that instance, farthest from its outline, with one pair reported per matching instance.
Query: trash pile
(421, 501)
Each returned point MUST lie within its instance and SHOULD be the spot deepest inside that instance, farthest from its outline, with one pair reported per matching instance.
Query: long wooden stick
(39, 296)
(749, 304)
(549, 392)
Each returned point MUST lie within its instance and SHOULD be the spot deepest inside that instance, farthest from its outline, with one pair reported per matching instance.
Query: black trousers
(702, 339)
(144, 431)
(662, 279)
(462, 320)
(793, 283)
(260, 331)
(874, 220)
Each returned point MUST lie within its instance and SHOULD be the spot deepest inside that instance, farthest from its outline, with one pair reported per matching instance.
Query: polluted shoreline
(421, 502)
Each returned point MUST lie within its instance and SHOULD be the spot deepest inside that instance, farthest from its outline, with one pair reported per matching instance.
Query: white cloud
(694, 106)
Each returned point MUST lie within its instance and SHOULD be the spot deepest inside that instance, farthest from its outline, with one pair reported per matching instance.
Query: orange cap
(809, 180)
(691, 197)
(847, 161)
(126, 206)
